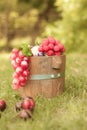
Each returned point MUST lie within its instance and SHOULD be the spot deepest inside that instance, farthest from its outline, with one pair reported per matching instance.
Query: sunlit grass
(65, 112)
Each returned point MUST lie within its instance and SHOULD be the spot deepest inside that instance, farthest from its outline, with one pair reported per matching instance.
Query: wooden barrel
(47, 76)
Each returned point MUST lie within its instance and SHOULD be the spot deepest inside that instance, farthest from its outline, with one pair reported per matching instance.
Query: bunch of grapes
(51, 47)
(20, 64)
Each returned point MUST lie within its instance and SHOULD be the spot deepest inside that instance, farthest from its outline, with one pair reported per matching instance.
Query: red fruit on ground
(50, 53)
(51, 40)
(2, 105)
(26, 104)
(56, 48)
(51, 46)
(18, 106)
(32, 104)
(45, 42)
(24, 64)
(23, 114)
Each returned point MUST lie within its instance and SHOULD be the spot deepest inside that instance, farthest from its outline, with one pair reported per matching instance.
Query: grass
(65, 112)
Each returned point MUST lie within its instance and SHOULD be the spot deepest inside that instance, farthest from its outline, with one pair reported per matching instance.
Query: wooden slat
(45, 65)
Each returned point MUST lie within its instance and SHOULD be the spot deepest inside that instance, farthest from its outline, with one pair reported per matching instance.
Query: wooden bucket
(47, 77)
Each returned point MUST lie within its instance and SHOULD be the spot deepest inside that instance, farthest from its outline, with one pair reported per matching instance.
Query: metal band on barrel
(46, 76)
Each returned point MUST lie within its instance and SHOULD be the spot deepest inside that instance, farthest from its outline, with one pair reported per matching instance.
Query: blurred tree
(72, 30)
(26, 17)
(6, 8)
(47, 13)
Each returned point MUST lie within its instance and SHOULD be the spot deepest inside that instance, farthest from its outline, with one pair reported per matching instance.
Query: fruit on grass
(25, 114)
(18, 106)
(28, 103)
(2, 105)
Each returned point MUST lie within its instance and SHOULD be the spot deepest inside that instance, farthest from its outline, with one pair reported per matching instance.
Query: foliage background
(30, 21)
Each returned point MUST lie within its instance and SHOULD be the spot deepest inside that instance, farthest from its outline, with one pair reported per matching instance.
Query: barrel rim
(39, 57)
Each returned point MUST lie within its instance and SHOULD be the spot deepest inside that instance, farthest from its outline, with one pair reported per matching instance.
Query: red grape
(25, 72)
(24, 64)
(19, 70)
(21, 65)
(50, 53)
(45, 42)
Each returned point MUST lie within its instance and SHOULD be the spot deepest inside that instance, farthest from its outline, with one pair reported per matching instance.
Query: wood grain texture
(48, 87)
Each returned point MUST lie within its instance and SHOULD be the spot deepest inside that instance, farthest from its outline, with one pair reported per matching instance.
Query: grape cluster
(51, 47)
(20, 64)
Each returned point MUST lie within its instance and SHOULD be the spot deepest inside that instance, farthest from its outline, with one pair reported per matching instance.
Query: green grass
(65, 112)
